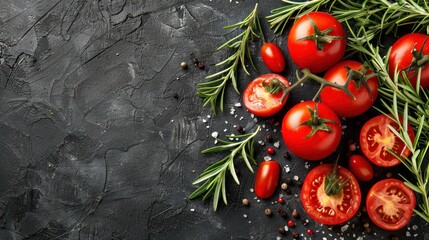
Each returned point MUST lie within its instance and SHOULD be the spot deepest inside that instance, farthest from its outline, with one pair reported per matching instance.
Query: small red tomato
(265, 96)
(407, 55)
(361, 168)
(273, 58)
(267, 179)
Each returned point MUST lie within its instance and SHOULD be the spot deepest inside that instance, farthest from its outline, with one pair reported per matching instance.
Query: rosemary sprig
(405, 104)
(214, 89)
(214, 177)
(280, 16)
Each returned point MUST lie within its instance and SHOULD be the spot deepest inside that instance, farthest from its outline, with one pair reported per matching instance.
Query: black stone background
(101, 130)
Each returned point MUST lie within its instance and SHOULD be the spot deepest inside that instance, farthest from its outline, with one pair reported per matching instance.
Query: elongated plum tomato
(376, 139)
(390, 204)
(363, 86)
(324, 200)
(316, 41)
(360, 167)
(409, 53)
(273, 58)
(267, 179)
(258, 99)
(311, 130)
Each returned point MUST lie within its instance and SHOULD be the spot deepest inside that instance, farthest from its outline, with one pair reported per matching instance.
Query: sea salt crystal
(231, 138)
(287, 169)
(344, 228)
(215, 142)
(255, 120)
(237, 105)
(267, 158)
(296, 178)
(261, 142)
(415, 227)
(204, 120)
(276, 144)
(252, 190)
(245, 215)
(192, 210)
(241, 118)
(208, 116)
(215, 134)
(226, 122)
(408, 234)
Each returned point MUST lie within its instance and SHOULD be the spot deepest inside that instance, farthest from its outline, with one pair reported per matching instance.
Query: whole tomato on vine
(311, 130)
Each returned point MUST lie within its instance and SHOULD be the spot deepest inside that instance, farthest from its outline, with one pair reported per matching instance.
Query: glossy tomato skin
(304, 53)
(334, 209)
(273, 58)
(260, 102)
(376, 139)
(339, 101)
(390, 204)
(267, 179)
(296, 135)
(361, 167)
(401, 55)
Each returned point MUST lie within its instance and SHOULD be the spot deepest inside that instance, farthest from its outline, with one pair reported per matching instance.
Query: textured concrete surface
(101, 131)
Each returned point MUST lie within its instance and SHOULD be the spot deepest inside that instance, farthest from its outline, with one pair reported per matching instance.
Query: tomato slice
(390, 204)
(259, 101)
(376, 140)
(334, 209)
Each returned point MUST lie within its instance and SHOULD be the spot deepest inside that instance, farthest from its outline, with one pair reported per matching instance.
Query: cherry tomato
(267, 179)
(376, 139)
(316, 41)
(329, 205)
(365, 91)
(273, 58)
(401, 54)
(360, 167)
(311, 130)
(390, 204)
(258, 99)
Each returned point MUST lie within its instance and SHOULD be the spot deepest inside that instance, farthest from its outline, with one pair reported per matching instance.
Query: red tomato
(364, 90)
(308, 136)
(316, 46)
(273, 58)
(390, 204)
(361, 168)
(259, 101)
(267, 179)
(326, 208)
(401, 54)
(376, 139)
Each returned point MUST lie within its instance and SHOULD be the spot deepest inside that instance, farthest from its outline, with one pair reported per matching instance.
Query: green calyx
(320, 37)
(316, 123)
(333, 184)
(360, 78)
(274, 86)
(420, 60)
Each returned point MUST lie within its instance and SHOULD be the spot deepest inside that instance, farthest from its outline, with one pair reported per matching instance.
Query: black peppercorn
(295, 213)
(281, 212)
(394, 237)
(282, 230)
(175, 95)
(239, 129)
(288, 181)
(269, 138)
(286, 155)
(295, 235)
(201, 65)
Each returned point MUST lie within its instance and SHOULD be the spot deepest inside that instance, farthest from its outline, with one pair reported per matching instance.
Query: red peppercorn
(280, 200)
(310, 232)
(270, 151)
(291, 223)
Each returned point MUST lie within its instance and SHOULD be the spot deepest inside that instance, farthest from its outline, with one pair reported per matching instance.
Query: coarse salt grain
(276, 144)
(215, 134)
(287, 169)
(344, 228)
(237, 105)
(267, 158)
(296, 178)
(261, 142)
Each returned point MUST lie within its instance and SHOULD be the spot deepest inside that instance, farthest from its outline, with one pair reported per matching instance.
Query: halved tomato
(390, 204)
(376, 140)
(320, 199)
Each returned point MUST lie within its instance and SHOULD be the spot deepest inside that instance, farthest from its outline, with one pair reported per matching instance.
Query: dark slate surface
(101, 130)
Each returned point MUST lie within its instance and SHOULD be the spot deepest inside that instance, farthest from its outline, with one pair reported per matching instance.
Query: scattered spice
(281, 212)
(175, 95)
(239, 129)
(268, 212)
(184, 65)
(245, 202)
(298, 183)
(291, 223)
(284, 186)
(286, 155)
(282, 230)
(201, 65)
(389, 175)
(310, 231)
(295, 213)
(288, 181)
(295, 235)
(269, 138)
(280, 200)
(271, 151)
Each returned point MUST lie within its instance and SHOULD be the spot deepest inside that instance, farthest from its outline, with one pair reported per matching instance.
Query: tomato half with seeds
(316, 41)
(376, 140)
(334, 204)
(390, 204)
(409, 53)
(267, 179)
(265, 95)
(363, 86)
(311, 130)
(273, 58)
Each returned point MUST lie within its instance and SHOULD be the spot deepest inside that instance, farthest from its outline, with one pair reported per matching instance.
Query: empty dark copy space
(101, 129)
